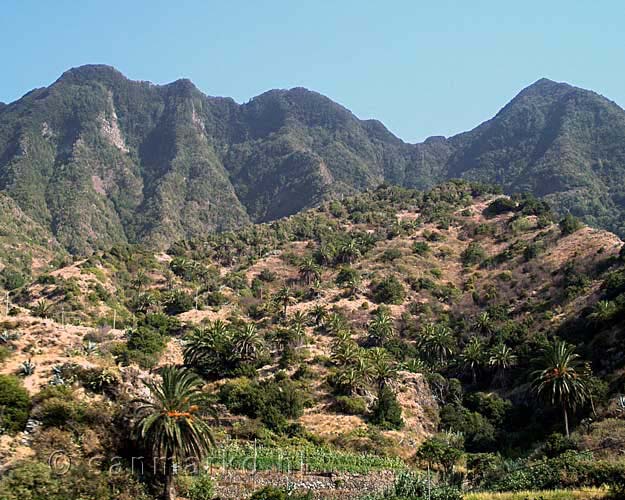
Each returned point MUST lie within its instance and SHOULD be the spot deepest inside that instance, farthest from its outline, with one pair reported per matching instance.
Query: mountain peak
(98, 72)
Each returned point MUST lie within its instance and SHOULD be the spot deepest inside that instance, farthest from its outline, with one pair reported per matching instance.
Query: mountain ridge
(151, 163)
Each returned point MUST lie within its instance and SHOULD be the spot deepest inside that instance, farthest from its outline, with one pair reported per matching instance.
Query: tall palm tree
(318, 313)
(309, 271)
(349, 252)
(437, 342)
(472, 356)
(171, 424)
(345, 353)
(380, 328)
(247, 343)
(284, 298)
(484, 323)
(560, 378)
(382, 367)
(502, 358)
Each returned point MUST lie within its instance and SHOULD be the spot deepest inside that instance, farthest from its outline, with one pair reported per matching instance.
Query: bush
(197, 487)
(351, 405)
(387, 411)
(14, 404)
(269, 493)
(569, 225)
(421, 248)
(271, 401)
(391, 254)
(11, 279)
(473, 254)
(177, 302)
(500, 206)
(388, 291)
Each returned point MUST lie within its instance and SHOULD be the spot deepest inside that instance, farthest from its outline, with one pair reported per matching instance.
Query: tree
(442, 450)
(381, 327)
(387, 411)
(560, 378)
(383, 369)
(349, 252)
(247, 343)
(388, 291)
(484, 323)
(501, 359)
(569, 225)
(309, 271)
(472, 356)
(284, 298)
(14, 404)
(437, 342)
(318, 313)
(171, 422)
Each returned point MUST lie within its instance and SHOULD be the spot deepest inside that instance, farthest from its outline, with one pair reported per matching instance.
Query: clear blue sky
(434, 68)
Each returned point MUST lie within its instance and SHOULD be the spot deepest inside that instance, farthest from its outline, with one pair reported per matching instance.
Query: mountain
(99, 159)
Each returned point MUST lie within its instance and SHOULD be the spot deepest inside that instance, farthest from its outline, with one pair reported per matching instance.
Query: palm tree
(318, 314)
(437, 342)
(382, 367)
(299, 318)
(603, 311)
(205, 344)
(349, 252)
(334, 323)
(284, 298)
(326, 254)
(309, 271)
(484, 323)
(560, 378)
(170, 423)
(472, 356)
(345, 353)
(380, 328)
(247, 343)
(501, 359)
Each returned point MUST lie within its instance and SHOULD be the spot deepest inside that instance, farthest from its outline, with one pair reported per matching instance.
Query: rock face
(97, 159)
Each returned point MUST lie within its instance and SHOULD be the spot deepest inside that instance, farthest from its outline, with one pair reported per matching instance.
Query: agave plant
(90, 347)
(27, 368)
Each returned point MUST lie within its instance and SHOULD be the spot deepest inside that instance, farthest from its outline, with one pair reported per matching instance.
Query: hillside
(373, 325)
(97, 159)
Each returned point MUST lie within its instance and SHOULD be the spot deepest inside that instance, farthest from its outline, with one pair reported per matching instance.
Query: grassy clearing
(583, 494)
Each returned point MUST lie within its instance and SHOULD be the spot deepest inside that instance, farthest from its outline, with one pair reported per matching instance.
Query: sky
(422, 68)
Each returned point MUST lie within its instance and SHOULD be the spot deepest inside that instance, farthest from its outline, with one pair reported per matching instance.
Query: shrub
(14, 404)
(273, 402)
(11, 279)
(391, 254)
(473, 254)
(199, 487)
(569, 225)
(388, 291)
(387, 411)
(351, 405)
(269, 493)
(177, 302)
(421, 248)
(500, 206)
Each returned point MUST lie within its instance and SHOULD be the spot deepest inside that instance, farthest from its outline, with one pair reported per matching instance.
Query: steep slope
(557, 141)
(99, 159)
(24, 245)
